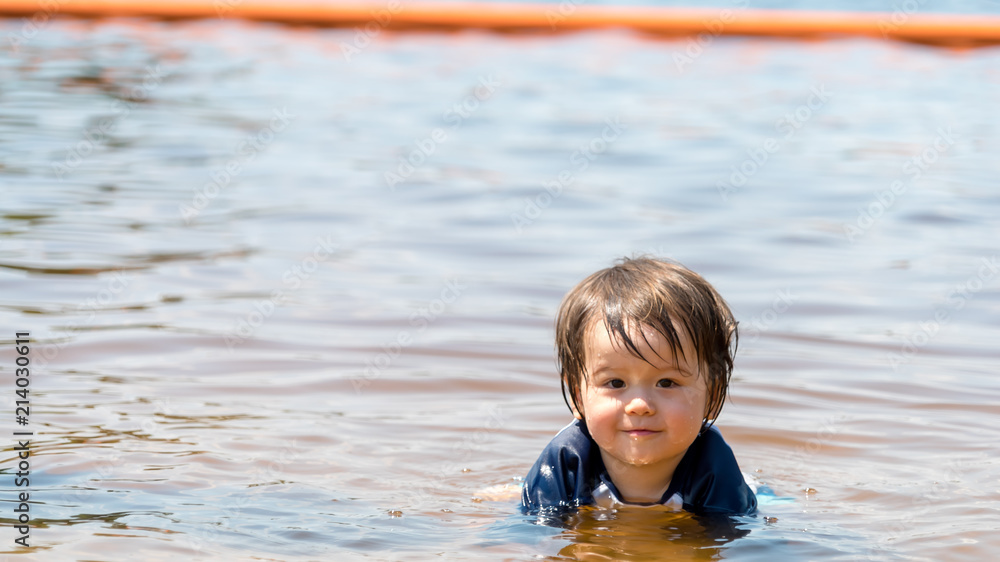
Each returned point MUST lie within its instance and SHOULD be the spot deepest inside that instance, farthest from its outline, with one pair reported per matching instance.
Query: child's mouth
(640, 432)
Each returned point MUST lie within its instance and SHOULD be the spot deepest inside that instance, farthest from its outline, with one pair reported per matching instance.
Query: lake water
(294, 300)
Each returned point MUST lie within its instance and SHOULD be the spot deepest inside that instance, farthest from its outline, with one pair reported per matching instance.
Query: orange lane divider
(934, 29)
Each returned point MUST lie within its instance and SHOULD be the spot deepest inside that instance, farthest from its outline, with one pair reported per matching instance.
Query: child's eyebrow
(681, 370)
(601, 367)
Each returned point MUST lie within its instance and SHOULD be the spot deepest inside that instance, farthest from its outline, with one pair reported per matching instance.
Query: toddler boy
(645, 354)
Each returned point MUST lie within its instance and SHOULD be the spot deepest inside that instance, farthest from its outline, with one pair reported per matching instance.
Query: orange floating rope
(934, 29)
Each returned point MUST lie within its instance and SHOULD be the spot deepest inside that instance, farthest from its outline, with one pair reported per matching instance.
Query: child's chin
(642, 460)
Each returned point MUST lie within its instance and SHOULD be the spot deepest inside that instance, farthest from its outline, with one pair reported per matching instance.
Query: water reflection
(645, 534)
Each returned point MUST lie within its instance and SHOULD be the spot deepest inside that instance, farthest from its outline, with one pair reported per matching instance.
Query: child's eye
(616, 383)
(665, 383)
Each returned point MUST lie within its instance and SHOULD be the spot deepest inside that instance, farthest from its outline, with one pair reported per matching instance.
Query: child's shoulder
(711, 479)
(572, 446)
(564, 472)
(575, 434)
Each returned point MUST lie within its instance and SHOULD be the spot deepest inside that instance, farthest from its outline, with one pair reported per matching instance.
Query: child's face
(641, 414)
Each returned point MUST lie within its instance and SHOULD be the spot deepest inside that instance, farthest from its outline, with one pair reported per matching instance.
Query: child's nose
(638, 405)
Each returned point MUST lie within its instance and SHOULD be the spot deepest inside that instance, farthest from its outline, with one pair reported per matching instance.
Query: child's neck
(640, 484)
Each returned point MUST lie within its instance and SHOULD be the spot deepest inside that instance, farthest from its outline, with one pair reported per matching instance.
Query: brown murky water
(250, 342)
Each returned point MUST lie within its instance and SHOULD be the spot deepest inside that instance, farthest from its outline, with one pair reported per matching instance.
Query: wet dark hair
(647, 291)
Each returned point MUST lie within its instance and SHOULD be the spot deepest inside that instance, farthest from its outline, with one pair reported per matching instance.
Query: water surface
(253, 342)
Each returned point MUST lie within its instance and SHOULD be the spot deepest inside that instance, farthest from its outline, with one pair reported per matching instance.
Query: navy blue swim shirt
(570, 472)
